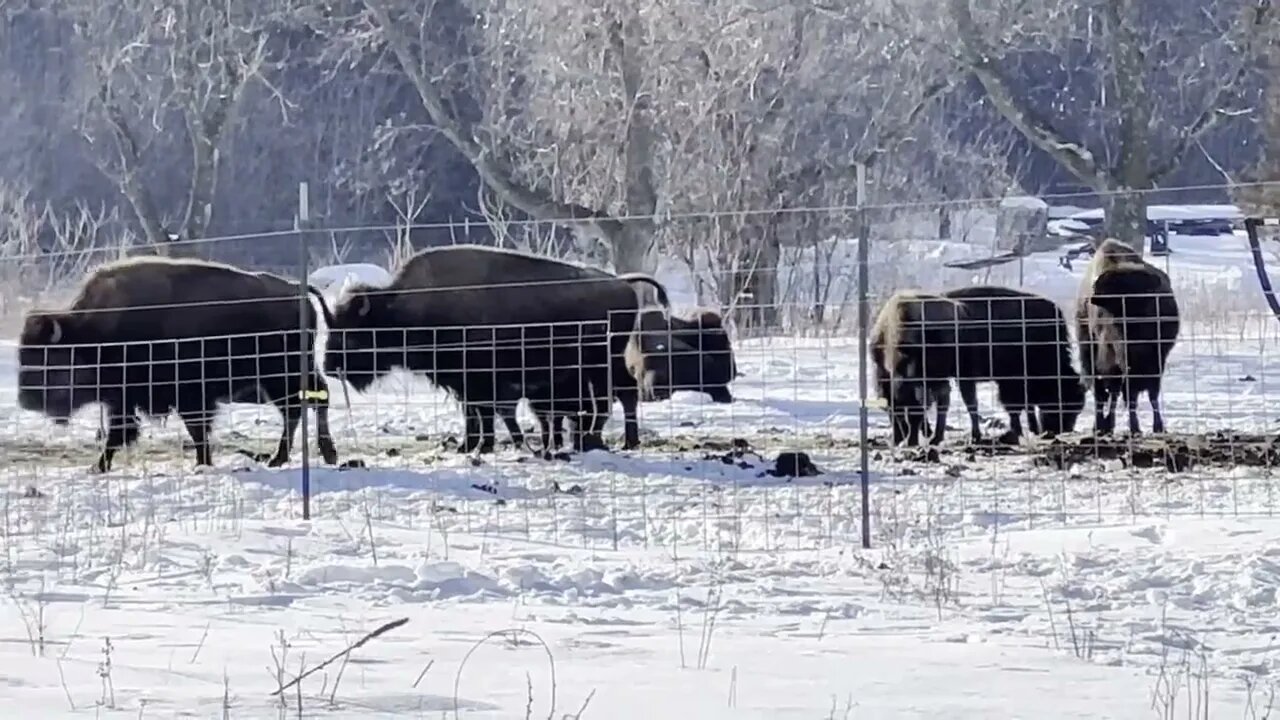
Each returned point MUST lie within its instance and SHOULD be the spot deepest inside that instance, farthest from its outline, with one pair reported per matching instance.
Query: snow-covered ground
(680, 580)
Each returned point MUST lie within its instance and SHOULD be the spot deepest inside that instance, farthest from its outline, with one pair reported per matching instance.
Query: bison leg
(1013, 396)
(122, 431)
(1104, 402)
(585, 439)
(915, 424)
(1157, 416)
(471, 429)
(478, 428)
(630, 399)
(557, 430)
(912, 401)
(292, 413)
(513, 427)
(898, 419)
(198, 428)
(590, 424)
(1033, 421)
(969, 393)
(940, 422)
(546, 420)
(1132, 390)
(324, 437)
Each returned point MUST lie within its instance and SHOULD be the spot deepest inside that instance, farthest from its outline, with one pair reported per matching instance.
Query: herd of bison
(150, 336)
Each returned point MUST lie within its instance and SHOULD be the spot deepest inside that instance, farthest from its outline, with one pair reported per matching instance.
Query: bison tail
(644, 279)
(325, 312)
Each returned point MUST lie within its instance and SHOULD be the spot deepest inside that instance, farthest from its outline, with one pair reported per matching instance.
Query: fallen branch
(384, 629)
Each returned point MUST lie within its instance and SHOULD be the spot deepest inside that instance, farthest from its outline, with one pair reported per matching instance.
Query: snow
(1024, 202)
(330, 278)
(679, 580)
(1175, 213)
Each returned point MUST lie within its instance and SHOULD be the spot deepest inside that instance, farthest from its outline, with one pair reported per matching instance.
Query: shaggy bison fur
(1127, 323)
(492, 326)
(1015, 339)
(667, 354)
(148, 336)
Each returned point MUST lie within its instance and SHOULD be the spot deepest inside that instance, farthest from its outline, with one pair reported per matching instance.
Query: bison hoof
(1009, 438)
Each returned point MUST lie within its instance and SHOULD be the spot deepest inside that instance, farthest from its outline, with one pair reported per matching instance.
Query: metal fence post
(864, 316)
(304, 316)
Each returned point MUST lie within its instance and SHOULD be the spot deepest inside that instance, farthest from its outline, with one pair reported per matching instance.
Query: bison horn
(55, 332)
(365, 306)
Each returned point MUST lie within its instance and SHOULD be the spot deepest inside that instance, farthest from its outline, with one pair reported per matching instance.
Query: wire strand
(663, 218)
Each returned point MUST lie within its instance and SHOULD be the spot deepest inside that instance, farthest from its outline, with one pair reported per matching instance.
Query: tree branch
(1215, 111)
(490, 170)
(1039, 130)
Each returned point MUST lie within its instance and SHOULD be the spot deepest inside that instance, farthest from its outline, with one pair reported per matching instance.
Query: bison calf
(664, 354)
(1127, 322)
(671, 354)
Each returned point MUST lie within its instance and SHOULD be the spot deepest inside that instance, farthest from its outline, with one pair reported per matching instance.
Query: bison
(666, 354)
(492, 325)
(147, 336)
(1127, 323)
(915, 351)
(1020, 341)
(977, 334)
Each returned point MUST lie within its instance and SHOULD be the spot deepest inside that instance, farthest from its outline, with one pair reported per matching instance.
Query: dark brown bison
(1127, 323)
(1015, 339)
(915, 352)
(669, 354)
(666, 354)
(492, 326)
(1019, 341)
(151, 335)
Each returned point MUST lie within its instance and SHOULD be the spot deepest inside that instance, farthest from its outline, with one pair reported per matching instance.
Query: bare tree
(449, 86)
(697, 128)
(151, 64)
(1262, 195)
(1142, 82)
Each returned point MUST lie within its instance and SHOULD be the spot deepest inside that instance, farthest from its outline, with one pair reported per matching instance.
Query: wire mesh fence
(751, 445)
(481, 448)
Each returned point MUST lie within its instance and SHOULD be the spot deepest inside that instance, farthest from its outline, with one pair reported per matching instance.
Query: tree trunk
(1264, 200)
(633, 248)
(1127, 210)
(754, 285)
(1126, 219)
(204, 179)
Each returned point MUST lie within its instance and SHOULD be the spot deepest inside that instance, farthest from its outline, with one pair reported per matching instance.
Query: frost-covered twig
(385, 628)
(508, 632)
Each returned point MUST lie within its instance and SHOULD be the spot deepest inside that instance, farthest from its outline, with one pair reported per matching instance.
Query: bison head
(1128, 292)
(56, 376)
(1060, 417)
(667, 355)
(1137, 296)
(351, 351)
